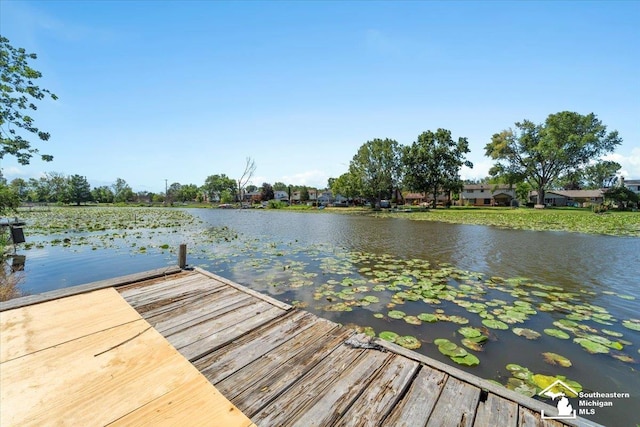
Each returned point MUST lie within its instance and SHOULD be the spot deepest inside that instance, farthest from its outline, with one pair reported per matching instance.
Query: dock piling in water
(182, 256)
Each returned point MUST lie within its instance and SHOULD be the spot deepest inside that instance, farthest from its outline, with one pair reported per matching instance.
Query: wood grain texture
(106, 375)
(36, 327)
(496, 411)
(416, 406)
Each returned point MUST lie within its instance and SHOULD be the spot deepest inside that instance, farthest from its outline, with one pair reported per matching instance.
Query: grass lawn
(552, 219)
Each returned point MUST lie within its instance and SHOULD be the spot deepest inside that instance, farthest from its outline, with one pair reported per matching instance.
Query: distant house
(281, 195)
(631, 184)
(569, 197)
(252, 196)
(487, 195)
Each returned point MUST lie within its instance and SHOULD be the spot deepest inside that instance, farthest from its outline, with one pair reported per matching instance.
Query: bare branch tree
(249, 169)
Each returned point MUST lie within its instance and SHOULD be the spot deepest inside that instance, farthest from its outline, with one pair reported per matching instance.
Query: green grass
(555, 219)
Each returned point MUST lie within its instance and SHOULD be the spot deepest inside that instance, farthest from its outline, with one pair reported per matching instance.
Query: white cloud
(480, 169)
(630, 163)
(314, 178)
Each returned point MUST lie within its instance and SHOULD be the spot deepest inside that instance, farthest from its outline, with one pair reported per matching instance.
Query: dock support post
(182, 256)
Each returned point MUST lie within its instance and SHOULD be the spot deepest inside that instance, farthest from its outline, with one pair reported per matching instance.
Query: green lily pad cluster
(473, 338)
(528, 383)
(406, 341)
(456, 353)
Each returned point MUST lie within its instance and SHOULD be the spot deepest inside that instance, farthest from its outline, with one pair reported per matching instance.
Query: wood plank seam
(403, 393)
(73, 339)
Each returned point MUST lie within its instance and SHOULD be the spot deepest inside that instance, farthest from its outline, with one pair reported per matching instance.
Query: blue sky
(181, 90)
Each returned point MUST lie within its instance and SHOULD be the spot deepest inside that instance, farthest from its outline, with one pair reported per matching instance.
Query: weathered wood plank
(496, 411)
(89, 287)
(147, 283)
(456, 405)
(200, 330)
(36, 327)
(529, 418)
(260, 314)
(416, 406)
(263, 391)
(264, 366)
(238, 286)
(189, 404)
(218, 309)
(220, 364)
(181, 288)
(336, 398)
(170, 304)
(499, 390)
(208, 306)
(156, 285)
(308, 389)
(382, 394)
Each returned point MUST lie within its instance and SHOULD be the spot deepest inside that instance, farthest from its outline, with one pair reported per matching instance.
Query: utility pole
(166, 195)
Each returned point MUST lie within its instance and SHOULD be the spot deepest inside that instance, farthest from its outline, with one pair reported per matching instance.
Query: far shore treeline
(562, 153)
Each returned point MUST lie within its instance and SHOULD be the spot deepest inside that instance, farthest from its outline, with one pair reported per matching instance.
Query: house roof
(487, 187)
(573, 194)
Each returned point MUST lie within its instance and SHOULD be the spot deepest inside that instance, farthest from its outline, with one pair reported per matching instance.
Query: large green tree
(214, 185)
(376, 169)
(18, 96)
(266, 192)
(432, 163)
(122, 192)
(9, 200)
(622, 196)
(280, 186)
(542, 154)
(79, 190)
(602, 174)
(344, 185)
(21, 187)
(102, 194)
(187, 193)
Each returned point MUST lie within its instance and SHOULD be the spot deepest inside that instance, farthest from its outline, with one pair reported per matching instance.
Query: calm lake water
(327, 263)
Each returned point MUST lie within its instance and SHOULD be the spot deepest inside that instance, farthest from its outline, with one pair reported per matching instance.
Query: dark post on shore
(182, 256)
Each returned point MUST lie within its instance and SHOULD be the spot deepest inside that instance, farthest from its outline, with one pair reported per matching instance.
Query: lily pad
(409, 342)
(633, 324)
(378, 315)
(413, 320)
(467, 360)
(396, 314)
(591, 346)
(522, 387)
(428, 317)
(472, 345)
(388, 336)
(494, 324)
(372, 299)
(611, 333)
(556, 359)
(544, 381)
(529, 334)
(624, 358)
(469, 332)
(557, 333)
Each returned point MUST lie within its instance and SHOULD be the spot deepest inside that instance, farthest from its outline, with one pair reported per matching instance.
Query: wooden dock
(276, 364)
